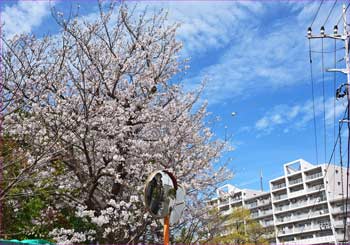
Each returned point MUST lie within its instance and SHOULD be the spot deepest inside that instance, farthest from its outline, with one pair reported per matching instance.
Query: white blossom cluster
(98, 114)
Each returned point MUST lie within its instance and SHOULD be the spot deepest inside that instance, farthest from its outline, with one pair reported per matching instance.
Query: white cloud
(297, 116)
(207, 25)
(266, 56)
(23, 16)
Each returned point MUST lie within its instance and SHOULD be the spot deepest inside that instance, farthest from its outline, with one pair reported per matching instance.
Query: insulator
(309, 32)
(322, 30)
(335, 30)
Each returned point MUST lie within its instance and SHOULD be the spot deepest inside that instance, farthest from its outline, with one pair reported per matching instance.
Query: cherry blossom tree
(94, 110)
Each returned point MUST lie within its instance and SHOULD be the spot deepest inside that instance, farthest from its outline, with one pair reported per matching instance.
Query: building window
(338, 182)
(336, 171)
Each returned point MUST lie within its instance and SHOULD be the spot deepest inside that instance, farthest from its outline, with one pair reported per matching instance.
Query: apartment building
(304, 206)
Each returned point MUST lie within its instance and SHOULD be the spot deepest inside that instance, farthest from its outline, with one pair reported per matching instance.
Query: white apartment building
(304, 206)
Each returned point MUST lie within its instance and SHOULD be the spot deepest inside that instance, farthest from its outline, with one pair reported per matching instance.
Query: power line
(342, 174)
(330, 12)
(329, 162)
(342, 15)
(347, 183)
(324, 109)
(327, 52)
(319, 7)
(313, 101)
(334, 90)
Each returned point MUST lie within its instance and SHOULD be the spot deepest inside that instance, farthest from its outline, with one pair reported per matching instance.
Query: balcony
(316, 188)
(318, 199)
(252, 205)
(264, 202)
(303, 216)
(299, 204)
(295, 181)
(279, 186)
(338, 223)
(282, 208)
(302, 229)
(340, 237)
(280, 197)
(223, 203)
(284, 219)
(255, 215)
(340, 209)
(285, 231)
(314, 240)
(266, 212)
(226, 212)
(266, 224)
(314, 176)
(236, 199)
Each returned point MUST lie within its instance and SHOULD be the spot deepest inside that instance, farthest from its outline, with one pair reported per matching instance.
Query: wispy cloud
(24, 16)
(264, 54)
(285, 117)
(208, 25)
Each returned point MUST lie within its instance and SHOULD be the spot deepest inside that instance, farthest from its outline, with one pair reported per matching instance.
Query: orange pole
(166, 230)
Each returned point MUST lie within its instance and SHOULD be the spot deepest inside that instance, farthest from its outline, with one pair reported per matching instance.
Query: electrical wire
(324, 108)
(343, 14)
(342, 175)
(313, 101)
(334, 105)
(330, 12)
(347, 172)
(329, 162)
(327, 52)
(334, 90)
(319, 7)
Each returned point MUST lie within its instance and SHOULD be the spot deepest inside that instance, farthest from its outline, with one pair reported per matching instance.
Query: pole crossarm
(343, 70)
(339, 37)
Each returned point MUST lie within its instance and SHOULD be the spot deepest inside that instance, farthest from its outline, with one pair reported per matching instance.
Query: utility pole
(346, 33)
(345, 38)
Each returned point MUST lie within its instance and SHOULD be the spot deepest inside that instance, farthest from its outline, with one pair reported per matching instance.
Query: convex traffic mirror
(160, 193)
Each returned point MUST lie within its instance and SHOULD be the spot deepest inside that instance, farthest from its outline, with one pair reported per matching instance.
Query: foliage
(95, 113)
(239, 228)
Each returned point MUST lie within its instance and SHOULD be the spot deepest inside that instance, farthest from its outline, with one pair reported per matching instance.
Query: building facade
(304, 206)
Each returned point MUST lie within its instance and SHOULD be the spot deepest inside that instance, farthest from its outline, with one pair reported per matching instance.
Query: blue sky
(254, 56)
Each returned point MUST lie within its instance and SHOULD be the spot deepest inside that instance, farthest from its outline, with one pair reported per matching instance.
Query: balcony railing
(314, 176)
(284, 219)
(302, 216)
(281, 197)
(223, 203)
(282, 208)
(266, 212)
(295, 181)
(338, 223)
(264, 201)
(316, 187)
(254, 215)
(236, 199)
(339, 209)
(269, 223)
(252, 205)
(340, 237)
(274, 187)
(300, 204)
(318, 199)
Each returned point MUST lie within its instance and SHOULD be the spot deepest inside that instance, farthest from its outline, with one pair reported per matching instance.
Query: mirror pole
(166, 230)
